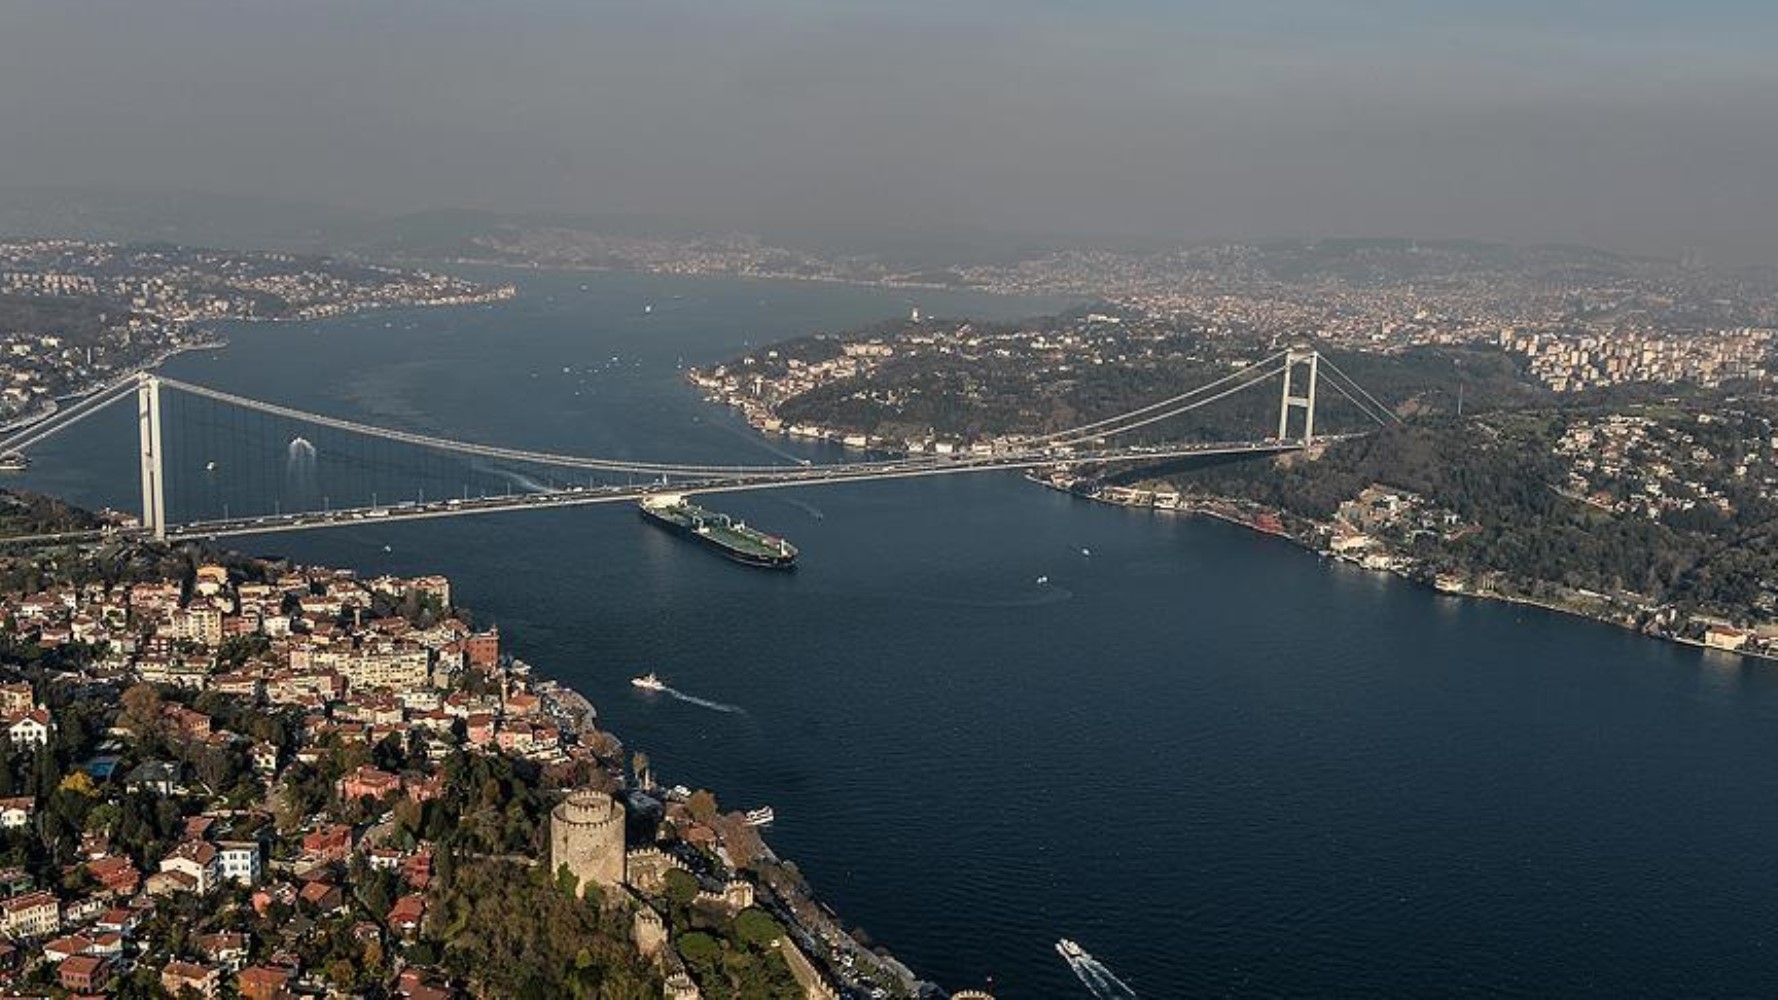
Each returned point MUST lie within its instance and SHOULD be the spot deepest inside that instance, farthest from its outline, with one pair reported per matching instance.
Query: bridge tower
(1295, 358)
(154, 493)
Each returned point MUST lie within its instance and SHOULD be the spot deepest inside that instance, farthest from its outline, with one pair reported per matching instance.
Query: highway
(789, 477)
(1083, 446)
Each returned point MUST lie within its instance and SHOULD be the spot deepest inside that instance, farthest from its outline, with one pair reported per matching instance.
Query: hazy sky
(1627, 123)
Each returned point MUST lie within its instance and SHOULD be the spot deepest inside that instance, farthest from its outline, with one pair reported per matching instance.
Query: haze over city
(611, 499)
(1630, 124)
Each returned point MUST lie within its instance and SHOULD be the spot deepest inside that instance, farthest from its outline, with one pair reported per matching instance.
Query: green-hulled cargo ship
(729, 537)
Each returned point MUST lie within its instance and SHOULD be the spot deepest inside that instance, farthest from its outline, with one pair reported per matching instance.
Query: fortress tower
(586, 833)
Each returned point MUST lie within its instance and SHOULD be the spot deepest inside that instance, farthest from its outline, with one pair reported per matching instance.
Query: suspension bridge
(300, 502)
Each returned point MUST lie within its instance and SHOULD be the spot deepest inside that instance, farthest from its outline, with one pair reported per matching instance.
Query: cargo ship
(729, 537)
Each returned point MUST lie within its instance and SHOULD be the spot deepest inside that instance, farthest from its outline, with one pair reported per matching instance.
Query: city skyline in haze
(1633, 126)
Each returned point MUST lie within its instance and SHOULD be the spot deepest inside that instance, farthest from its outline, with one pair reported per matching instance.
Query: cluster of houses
(318, 645)
(1632, 464)
(322, 645)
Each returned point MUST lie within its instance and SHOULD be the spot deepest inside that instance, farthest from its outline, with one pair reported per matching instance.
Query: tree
(511, 932)
(410, 815)
(700, 950)
(756, 929)
(681, 887)
(142, 707)
(236, 650)
(103, 818)
(373, 955)
(702, 805)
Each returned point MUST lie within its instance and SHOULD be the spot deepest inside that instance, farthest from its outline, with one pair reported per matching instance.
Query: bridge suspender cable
(1357, 403)
(470, 448)
(1083, 428)
(1388, 414)
(1244, 378)
(1254, 377)
(62, 419)
(1029, 453)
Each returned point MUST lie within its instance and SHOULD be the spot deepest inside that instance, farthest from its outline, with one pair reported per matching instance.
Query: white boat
(1071, 951)
(759, 817)
(1042, 580)
(649, 682)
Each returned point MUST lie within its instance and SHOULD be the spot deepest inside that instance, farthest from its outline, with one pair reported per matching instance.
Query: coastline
(818, 279)
(816, 936)
(27, 421)
(764, 420)
(1205, 507)
(446, 692)
(213, 341)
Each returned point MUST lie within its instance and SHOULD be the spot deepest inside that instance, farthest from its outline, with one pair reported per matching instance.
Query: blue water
(1221, 764)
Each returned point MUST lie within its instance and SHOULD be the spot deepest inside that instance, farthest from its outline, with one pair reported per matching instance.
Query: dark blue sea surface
(1224, 766)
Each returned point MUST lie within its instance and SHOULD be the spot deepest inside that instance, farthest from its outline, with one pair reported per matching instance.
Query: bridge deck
(801, 476)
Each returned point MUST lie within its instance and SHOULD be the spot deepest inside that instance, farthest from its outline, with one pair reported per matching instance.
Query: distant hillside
(23, 513)
(137, 216)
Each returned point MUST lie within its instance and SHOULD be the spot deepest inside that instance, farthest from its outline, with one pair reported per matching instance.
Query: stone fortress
(586, 834)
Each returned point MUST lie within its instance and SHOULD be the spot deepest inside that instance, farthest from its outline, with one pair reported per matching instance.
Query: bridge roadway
(811, 475)
(580, 496)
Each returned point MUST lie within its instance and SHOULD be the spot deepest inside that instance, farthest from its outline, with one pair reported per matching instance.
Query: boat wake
(518, 479)
(714, 706)
(754, 438)
(1093, 974)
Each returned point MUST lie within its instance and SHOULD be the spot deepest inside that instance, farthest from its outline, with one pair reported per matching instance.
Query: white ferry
(649, 682)
(759, 817)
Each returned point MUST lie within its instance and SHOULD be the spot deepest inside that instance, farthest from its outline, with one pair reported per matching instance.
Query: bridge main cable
(1387, 416)
(61, 420)
(519, 454)
(1253, 374)
(1083, 429)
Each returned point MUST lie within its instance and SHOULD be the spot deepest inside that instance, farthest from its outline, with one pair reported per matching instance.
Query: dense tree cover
(982, 392)
(1501, 475)
(731, 958)
(78, 319)
(120, 563)
(492, 805)
(24, 513)
(512, 932)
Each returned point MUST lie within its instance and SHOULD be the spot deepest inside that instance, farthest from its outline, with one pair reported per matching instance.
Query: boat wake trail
(1103, 983)
(518, 479)
(754, 438)
(714, 706)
